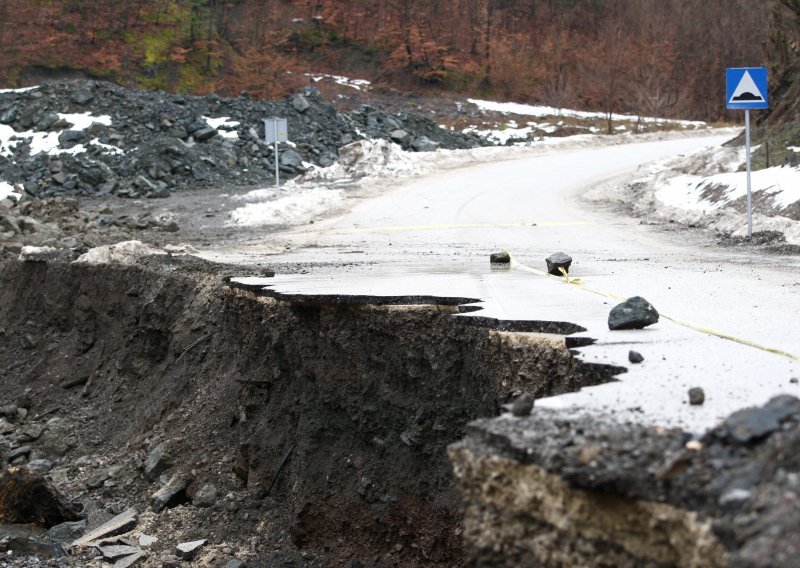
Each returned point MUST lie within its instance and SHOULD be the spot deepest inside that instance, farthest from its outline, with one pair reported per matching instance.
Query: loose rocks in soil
(97, 138)
(177, 408)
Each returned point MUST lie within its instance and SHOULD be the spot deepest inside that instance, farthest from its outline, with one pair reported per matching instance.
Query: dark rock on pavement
(635, 357)
(633, 313)
(556, 261)
(500, 258)
(697, 396)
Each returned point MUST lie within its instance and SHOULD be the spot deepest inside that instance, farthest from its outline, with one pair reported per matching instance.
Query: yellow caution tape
(702, 329)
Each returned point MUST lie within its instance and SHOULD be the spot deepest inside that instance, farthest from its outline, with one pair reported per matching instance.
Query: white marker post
(746, 88)
(276, 130)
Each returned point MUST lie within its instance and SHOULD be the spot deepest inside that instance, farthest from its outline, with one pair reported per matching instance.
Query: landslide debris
(97, 138)
(273, 430)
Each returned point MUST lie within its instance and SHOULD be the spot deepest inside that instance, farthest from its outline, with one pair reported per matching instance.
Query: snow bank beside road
(295, 207)
(705, 189)
(373, 166)
(541, 111)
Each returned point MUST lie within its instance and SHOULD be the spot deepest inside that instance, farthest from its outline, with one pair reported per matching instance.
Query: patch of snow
(21, 90)
(369, 159)
(501, 136)
(288, 208)
(226, 127)
(34, 254)
(793, 148)
(700, 189)
(780, 183)
(126, 252)
(540, 111)
(357, 84)
(47, 142)
(7, 190)
(83, 120)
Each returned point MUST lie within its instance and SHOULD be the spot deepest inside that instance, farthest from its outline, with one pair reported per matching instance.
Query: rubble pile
(97, 138)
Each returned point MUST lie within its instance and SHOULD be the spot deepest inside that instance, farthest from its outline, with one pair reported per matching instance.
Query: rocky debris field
(97, 138)
(74, 150)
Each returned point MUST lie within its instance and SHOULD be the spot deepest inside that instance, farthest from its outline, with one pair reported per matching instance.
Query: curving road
(433, 236)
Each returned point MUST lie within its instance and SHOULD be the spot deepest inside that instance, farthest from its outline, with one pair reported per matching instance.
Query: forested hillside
(655, 57)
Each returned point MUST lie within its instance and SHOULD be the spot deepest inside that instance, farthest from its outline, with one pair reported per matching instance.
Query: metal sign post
(746, 88)
(276, 130)
(747, 161)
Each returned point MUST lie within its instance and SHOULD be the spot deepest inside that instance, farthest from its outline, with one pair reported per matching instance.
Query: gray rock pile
(97, 138)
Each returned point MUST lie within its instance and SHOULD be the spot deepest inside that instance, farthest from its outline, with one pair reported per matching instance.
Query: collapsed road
(434, 237)
(304, 419)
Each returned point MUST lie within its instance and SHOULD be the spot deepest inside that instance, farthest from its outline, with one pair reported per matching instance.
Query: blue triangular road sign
(746, 88)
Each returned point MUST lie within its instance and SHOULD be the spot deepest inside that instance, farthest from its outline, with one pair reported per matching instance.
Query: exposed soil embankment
(555, 491)
(321, 426)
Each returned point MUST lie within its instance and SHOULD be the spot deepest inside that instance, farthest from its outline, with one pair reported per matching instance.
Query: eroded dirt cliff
(303, 430)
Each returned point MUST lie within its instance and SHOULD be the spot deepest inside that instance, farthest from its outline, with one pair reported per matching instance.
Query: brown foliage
(638, 56)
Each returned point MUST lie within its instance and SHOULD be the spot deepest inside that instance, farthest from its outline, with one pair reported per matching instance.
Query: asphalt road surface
(433, 236)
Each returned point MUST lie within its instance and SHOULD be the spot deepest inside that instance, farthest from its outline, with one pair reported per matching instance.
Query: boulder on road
(501, 257)
(556, 261)
(697, 396)
(633, 313)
